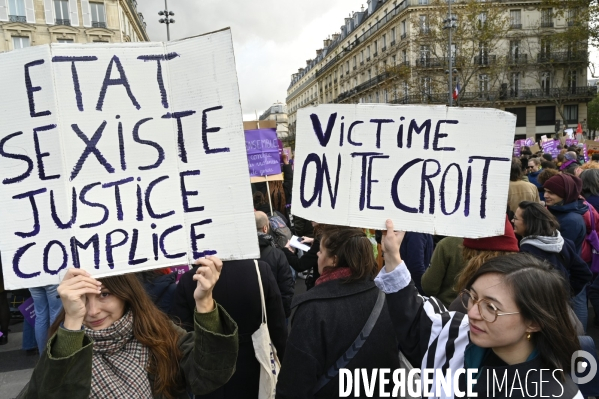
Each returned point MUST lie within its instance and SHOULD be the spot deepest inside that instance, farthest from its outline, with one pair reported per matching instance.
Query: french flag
(456, 92)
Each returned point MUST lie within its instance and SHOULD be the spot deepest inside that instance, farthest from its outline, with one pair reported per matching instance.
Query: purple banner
(181, 270)
(550, 147)
(570, 142)
(28, 311)
(262, 147)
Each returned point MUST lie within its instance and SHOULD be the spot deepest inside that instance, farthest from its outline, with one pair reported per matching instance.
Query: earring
(528, 336)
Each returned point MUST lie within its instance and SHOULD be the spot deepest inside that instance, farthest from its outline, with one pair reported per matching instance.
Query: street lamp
(450, 23)
(167, 20)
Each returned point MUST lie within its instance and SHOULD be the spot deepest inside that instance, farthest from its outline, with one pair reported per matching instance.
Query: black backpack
(279, 230)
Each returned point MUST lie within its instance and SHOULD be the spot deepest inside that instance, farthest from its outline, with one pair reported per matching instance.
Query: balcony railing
(516, 26)
(403, 36)
(563, 56)
(17, 18)
(96, 24)
(375, 55)
(493, 96)
(485, 60)
(392, 43)
(518, 59)
(66, 22)
(436, 62)
(384, 48)
(546, 24)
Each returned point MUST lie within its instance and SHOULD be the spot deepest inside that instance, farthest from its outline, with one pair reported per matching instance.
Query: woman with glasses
(516, 333)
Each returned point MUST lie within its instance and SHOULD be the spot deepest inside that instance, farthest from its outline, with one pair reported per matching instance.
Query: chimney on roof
(335, 36)
(326, 42)
(300, 71)
(318, 52)
(308, 62)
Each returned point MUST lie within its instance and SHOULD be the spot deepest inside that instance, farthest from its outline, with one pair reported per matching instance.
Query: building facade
(278, 113)
(25, 23)
(515, 55)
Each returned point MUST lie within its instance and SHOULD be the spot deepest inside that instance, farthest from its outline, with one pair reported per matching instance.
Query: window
(362, 57)
(571, 114)
(424, 55)
(546, 82)
(19, 42)
(394, 60)
(61, 12)
(368, 52)
(571, 78)
(515, 83)
(516, 19)
(65, 41)
(424, 29)
(572, 16)
(347, 65)
(545, 49)
(376, 46)
(16, 10)
(354, 62)
(403, 28)
(547, 18)
(98, 15)
(483, 83)
(422, 2)
(404, 56)
(545, 116)
(393, 35)
(483, 53)
(425, 85)
(482, 19)
(405, 89)
(520, 115)
(384, 41)
(514, 50)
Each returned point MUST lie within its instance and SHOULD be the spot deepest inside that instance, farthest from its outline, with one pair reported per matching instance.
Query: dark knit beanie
(566, 186)
(507, 242)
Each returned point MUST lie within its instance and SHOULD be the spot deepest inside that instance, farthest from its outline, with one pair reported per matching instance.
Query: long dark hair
(590, 182)
(152, 328)
(352, 249)
(538, 220)
(540, 295)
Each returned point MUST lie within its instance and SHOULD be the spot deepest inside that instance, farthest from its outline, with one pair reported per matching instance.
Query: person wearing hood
(543, 239)
(561, 198)
(276, 259)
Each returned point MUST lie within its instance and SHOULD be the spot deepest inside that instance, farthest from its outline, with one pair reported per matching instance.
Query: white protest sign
(431, 169)
(122, 157)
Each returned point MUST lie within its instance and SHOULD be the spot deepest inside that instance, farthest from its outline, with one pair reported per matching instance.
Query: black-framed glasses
(487, 310)
(529, 167)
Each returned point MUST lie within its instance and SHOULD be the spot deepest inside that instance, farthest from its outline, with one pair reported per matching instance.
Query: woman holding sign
(112, 342)
(517, 329)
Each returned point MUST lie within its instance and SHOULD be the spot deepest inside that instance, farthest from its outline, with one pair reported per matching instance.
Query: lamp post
(450, 23)
(166, 20)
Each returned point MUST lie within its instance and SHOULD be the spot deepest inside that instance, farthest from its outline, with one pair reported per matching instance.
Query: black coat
(328, 319)
(160, 287)
(570, 264)
(237, 291)
(279, 266)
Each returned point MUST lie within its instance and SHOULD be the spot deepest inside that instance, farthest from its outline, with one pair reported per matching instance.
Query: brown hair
(352, 249)
(152, 328)
(539, 293)
(474, 259)
(277, 195)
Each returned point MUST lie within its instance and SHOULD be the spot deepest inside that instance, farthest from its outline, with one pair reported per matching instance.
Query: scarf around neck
(333, 274)
(545, 243)
(119, 362)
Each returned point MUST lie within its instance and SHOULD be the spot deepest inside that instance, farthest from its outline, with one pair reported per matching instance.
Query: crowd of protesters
(515, 302)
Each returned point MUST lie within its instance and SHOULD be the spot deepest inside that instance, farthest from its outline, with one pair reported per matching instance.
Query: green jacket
(446, 264)
(209, 357)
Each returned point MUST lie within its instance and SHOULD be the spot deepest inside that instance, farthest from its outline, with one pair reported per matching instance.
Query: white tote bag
(265, 352)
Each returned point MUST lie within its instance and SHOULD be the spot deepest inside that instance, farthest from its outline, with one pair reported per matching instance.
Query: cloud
(271, 38)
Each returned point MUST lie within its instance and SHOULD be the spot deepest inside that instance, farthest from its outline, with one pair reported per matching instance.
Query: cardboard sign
(263, 152)
(120, 158)
(422, 166)
(592, 145)
(535, 148)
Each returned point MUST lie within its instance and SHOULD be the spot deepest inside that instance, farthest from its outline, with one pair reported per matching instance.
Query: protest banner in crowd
(263, 152)
(431, 169)
(121, 157)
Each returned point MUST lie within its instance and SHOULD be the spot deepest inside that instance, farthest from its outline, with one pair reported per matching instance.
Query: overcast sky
(271, 38)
